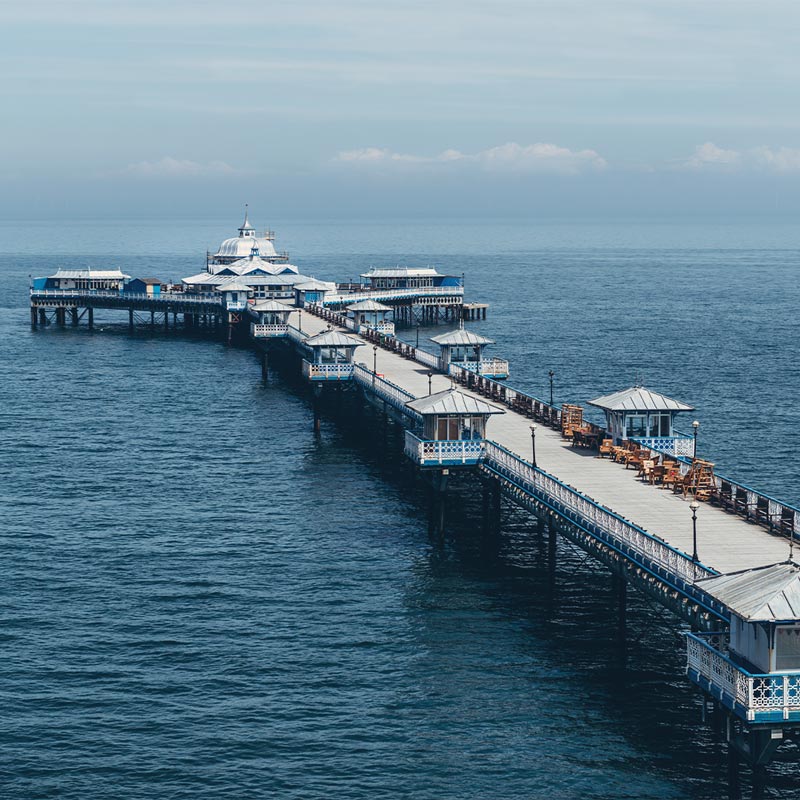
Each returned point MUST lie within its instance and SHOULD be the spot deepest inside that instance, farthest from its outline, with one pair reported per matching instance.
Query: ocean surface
(201, 598)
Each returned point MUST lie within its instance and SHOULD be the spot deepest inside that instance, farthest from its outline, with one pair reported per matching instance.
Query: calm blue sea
(203, 599)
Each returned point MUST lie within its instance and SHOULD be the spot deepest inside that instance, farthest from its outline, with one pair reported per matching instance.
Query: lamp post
(694, 505)
(695, 426)
(551, 374)
(533, 445)
(430, 383)
(417, 345)
(374, 363)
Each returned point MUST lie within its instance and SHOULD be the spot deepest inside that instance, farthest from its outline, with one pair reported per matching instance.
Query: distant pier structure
(246, 269)
(633, 493)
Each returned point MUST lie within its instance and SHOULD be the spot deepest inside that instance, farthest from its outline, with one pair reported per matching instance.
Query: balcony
(752, 697)
(446, 453)
(327, 372)
(268, 331)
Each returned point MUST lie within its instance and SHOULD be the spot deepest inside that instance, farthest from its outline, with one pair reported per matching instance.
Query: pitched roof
(314, 284)
(460, 337)
(452, 401)
(369, 305)
(637, 398)
(332, 339)
(400, 272)
(236, 285)
(270, 305)
(763, 594)
(92, 274)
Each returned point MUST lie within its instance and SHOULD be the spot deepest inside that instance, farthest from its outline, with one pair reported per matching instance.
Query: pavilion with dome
(241, 246)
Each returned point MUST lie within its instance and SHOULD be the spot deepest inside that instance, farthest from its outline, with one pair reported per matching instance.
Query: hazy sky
(355, 108)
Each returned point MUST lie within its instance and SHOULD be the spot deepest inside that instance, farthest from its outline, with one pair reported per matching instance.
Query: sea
(202, 597)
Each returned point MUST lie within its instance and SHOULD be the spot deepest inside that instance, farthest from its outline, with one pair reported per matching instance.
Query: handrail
(535, 480)
(393, 394)
(177, 297)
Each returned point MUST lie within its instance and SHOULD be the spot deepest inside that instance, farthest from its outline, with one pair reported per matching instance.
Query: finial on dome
(246, 226)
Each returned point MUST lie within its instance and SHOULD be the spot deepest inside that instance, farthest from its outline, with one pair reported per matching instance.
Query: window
(636, 426)
(788, 648)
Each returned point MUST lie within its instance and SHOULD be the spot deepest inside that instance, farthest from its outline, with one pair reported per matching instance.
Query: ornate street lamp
(374, 363)
(695, 425)
(533, 445)
(430, 383)
(551, 374)
(694, 505)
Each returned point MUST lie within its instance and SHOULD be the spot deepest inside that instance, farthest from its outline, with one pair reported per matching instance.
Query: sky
(362, 108)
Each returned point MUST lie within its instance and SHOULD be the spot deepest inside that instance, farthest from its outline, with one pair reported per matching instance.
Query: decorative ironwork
(755, 693)
(327, 372)
(266, 330)
(575, 505)
(443, 452)
(669, 445)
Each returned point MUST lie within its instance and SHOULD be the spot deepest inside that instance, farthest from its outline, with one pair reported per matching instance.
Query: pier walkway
(726, 543)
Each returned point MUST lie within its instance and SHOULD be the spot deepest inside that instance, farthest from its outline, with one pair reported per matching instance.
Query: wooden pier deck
(725, 542)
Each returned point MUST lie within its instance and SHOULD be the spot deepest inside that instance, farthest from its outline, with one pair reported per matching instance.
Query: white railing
(296, 335)
(669, 445)
(390, 392)
(428, 359)
(448, 451)
(327, 372)
(489, 367)
(457, 292)
(259, 329)
(386, 328)
(624, 533)
(77, 294)
(755, 693)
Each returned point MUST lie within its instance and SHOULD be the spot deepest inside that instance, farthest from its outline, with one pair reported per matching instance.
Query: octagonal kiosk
(269, 319)
(754, 671)
(371, 315)
(463, 349)
(453, 429)
(646, 416)
(312, 292)
(330, 356)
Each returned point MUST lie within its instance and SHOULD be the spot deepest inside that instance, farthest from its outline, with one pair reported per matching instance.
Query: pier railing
(327, 372)
(622, 534)
(753, 697)
(517, 400)
(414, 292)
(389, 392)
(487, 367)
(668, 445)
(260, 330)
(296, 335)
(426, 452)
(88, 294)
(738, 498)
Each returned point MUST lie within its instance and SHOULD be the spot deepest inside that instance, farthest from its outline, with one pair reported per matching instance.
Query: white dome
(241, 246)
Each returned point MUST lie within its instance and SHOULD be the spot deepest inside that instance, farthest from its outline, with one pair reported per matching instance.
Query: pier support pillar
(152, 319)
(33, 318)
(166, 320)
(130, 319)
(264, 365)
(317, 394)
(74, 314)
(61, 316)
(42, 317)
(90, 318)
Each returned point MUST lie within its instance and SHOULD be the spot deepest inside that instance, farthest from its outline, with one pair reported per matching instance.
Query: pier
(633, 494)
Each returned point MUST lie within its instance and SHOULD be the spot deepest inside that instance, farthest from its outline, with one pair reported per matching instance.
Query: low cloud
(169, 167)
(709, 156)
(781, 159)
(510, 157)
